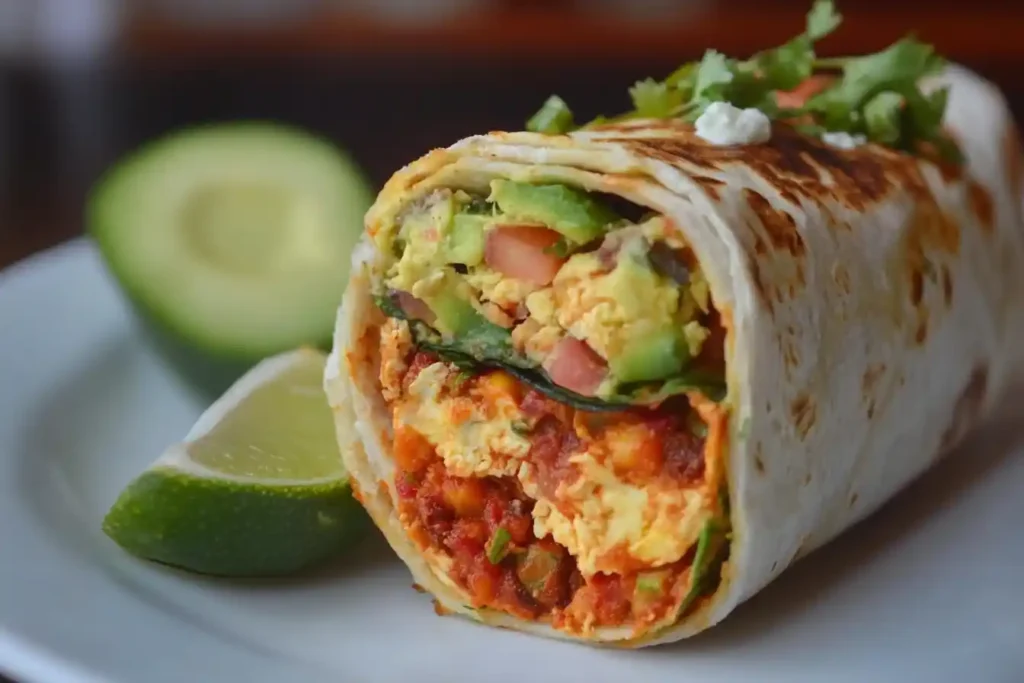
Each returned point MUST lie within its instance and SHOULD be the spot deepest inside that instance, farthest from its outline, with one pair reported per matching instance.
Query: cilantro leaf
(876, 95)
(788, 66)
(713, 74)
(553, 117)
(882, 117)
(655, 100)
(822, 19)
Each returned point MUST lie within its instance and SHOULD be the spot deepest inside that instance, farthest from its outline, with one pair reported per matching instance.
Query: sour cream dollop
(725, 124)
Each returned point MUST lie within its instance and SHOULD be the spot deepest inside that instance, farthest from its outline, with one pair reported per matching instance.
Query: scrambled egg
(536, 341)
(607, 523)
(613, 526)
(474, 437)
(505, 291)
(608, 310)
(396, 340)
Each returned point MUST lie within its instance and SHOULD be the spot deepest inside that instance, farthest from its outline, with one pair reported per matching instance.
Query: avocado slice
(567, 210)
(455, 315)
(232, 240)
(465, 242)
(657, 356)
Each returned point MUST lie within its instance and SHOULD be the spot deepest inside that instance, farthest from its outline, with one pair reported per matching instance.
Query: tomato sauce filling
(484, 524)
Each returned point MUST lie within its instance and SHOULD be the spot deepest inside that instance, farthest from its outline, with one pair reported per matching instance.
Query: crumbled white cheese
(843, 140)
(724, 124)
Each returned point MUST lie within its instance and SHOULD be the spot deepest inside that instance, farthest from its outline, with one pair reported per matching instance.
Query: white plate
(929, 589)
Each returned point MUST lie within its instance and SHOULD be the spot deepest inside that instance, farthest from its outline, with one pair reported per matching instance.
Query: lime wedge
(257, 487)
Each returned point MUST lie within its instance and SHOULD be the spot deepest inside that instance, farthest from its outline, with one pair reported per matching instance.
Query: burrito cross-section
(608, 385)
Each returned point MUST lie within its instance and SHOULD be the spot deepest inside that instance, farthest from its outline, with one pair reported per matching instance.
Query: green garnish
(389, 307)
(536, 566)
(744, 430)
(521, 427)
(497, 549)
(655, 392)
(651, 582)
(552, 118)
(462, 377)
(708, 560)
(875, 95)
(696, 425)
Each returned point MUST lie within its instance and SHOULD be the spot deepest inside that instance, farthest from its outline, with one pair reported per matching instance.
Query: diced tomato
(536, 404)
(420, 362)
(412, 450)
(483, 583)
(406, 485)
(574, 365)
(520, 528)
(611, 598)
(682, 451)
(521, 251)
(415, 308)
(468, 536)
(465, 495)
(795, 98)
(551, 445)
(436, 517)
(644, 459)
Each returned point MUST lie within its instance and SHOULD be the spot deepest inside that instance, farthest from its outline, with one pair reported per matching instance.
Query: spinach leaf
(707, 562)
(486, 345)
(649, 393)
(533, 377)
(389, 306)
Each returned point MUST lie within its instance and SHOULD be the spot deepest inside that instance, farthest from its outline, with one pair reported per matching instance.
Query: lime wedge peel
(257, 488)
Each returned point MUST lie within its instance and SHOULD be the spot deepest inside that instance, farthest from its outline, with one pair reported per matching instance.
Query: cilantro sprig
(876, 95)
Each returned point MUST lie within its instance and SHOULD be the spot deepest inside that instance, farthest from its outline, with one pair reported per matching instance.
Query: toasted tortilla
(869, 297)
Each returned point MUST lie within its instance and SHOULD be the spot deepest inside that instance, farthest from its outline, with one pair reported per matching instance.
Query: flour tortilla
(871, 298)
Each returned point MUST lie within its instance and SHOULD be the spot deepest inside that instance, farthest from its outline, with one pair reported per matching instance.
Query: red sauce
(525, 576)
(463, 515)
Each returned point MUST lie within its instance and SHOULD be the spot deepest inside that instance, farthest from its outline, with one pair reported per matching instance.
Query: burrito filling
(553, 368)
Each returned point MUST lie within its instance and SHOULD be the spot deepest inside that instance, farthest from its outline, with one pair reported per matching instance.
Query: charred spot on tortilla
(712, 186)
(804, 414)
(841, 276)
(947, 286)
(1014, 155)
(921, 331)
(981, 204)
(967, 409)
(916, 286)
(872, 374)
(778, 224)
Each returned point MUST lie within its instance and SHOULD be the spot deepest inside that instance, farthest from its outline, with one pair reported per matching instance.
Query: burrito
(607, 384)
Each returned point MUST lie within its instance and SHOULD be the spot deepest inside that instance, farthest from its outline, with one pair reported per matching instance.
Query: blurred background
(83, 81)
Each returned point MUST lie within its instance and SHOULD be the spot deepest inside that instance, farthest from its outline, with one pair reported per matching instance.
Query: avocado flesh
(455, 315)
(658, 356)
(569, 211)
(465, 242)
